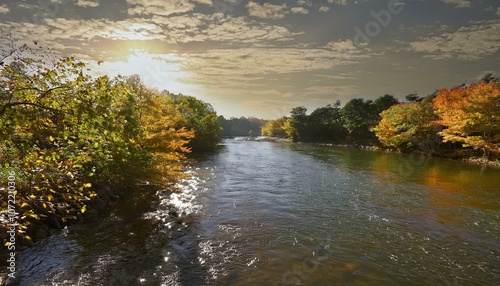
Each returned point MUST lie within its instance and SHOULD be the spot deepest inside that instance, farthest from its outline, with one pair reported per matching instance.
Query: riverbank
(461, 155)
(466, 155)
(124, 200)
(46, 223)
(30, 230)
(145, 217)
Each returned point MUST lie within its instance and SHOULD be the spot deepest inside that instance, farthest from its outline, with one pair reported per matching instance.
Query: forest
(460, 122)
(242, 126)
(70, 143)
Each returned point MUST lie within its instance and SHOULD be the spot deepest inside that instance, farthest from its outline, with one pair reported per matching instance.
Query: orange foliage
(471, 115)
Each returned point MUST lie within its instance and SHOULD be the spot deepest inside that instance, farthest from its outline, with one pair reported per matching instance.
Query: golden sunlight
(137, 31)
(162, 71)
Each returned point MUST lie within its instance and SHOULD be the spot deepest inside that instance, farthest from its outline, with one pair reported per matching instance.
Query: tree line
(68, 137)
(242, 126)
(461, 121)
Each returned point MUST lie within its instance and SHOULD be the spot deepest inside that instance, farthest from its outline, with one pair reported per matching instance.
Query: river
(262, 213)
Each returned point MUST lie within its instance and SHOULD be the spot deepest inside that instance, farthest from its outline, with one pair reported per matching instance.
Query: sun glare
(162, 71)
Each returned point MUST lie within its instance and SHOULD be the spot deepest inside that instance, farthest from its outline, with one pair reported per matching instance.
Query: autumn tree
(163, 135)
(200, 117)
(406, 125)
(274, 128)
(241, 126)
(471, 115)
(68, 135)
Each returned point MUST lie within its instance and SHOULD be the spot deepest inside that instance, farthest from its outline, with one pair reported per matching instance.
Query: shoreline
(473, 160)
(98, 207)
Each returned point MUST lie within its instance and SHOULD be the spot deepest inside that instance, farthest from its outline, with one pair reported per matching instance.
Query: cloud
(59, 33)
(266, 10)
(4, 9)
(206, 2)
(459, 3)
(220, 28)
(224, 65)
(159, 7)
(498, 12)
(87, 3)
(338, 2)
(467, 43)
(241, 30)
(304, 2)
(299, 10)
(70, 35)
(324, 9)
(342, 46)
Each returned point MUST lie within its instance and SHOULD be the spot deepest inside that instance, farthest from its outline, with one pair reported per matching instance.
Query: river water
(261, 213)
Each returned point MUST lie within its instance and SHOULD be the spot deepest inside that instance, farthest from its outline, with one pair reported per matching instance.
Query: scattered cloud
(324, 9)
(299, 10)
(459, 3)
(467, 43)
(304, 3)
(338, 2)
(4, 9)
(243, 30)
(195, 27)
(207, 2)
(226, 63)
(159, 7)
(342, 46)
(261, 53)
(87, 3)
(266, 10)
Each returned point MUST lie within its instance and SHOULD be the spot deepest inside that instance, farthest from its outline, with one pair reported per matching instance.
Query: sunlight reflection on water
(260, 213)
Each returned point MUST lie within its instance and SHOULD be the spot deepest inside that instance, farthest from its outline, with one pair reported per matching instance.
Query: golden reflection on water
(308, 271)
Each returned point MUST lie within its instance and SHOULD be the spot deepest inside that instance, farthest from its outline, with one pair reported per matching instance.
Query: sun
(161, 71)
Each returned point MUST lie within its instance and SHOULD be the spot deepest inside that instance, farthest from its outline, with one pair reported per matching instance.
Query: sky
(262, 58)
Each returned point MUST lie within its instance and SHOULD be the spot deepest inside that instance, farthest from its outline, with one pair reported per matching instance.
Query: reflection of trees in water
(457, 185)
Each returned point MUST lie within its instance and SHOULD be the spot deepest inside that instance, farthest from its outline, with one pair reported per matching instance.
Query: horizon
(262, 58)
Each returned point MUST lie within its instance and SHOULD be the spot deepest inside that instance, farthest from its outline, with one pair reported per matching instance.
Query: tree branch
(43, 92)
(12, 104)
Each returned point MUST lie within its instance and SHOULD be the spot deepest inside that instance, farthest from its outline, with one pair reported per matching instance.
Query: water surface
(260, 213)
